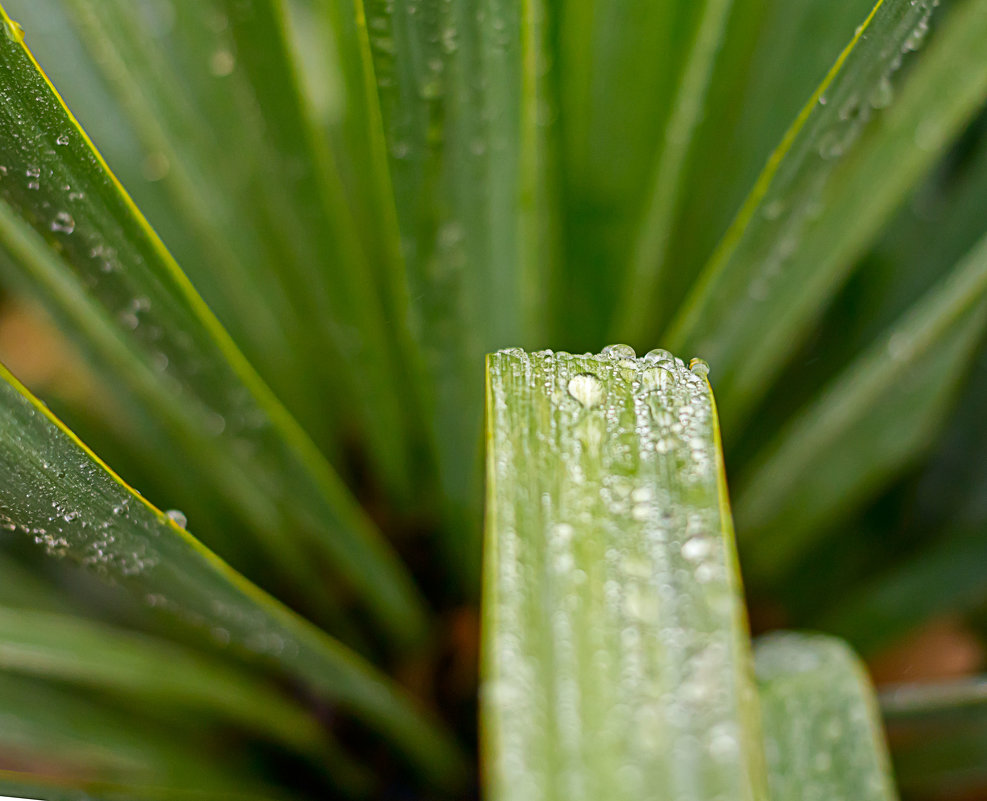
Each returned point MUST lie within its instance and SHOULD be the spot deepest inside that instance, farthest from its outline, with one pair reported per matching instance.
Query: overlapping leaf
(74, 238)
(460, 101)
(784, 257)
(822, 728)
(874, 418)
(58, 493)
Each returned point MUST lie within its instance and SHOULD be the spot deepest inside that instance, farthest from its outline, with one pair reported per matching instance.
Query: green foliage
(278, 238)
(616, 658)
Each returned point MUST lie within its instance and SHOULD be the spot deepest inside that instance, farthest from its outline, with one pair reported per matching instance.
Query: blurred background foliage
(369, 203)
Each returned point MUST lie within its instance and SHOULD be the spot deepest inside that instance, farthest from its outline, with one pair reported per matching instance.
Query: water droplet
(617, 352)
(659, 378)
(63, 223)
(900, 347)
(699, 367)
(14, 31)
(177, 517)
(882, 94)
(587, 389)
(695, 549)
(658, 355)
(773, 209)
(917, 37)
(222, 63)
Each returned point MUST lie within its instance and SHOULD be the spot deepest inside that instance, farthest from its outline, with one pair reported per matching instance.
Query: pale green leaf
(57, 492)
(616, 659)
(822, 729)
(774, 54)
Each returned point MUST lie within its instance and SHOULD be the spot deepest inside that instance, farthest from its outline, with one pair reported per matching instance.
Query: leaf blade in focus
(615, 653)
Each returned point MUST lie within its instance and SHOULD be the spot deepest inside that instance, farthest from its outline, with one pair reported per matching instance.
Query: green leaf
(22, 589)
(153, 674)
(649, 261)
(59, 493)
(822, 729)
(197, 171)
(616, 659)
(89, 741)
(461, 94)
(616, 81)
(867, 425)
(270, 189)
(74, 650)
(76, 239)
(824, 194)
(346, 310)
(751, 103)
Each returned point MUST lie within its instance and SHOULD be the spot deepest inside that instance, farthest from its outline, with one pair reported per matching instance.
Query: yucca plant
(253, 254)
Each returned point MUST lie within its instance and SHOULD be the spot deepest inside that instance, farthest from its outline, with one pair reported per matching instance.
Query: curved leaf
(616, 657)
(822, 729)
(59, 493)
(76, 239)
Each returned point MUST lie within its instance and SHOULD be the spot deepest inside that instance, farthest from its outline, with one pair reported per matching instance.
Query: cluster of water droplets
(616, 600)
(56, 495)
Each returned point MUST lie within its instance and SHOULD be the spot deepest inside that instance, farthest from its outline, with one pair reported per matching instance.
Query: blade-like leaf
(867, 425)
(822, 730)
(172, 128)
(21, 589)
(59, 493)
(271, 191)
(774, 54)
(823, 195)
(78, 651)
(616, 661)
(461, 98)
(75, 238)
(89, 741)
(333, 270)
(649, 263)
(620, 68)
